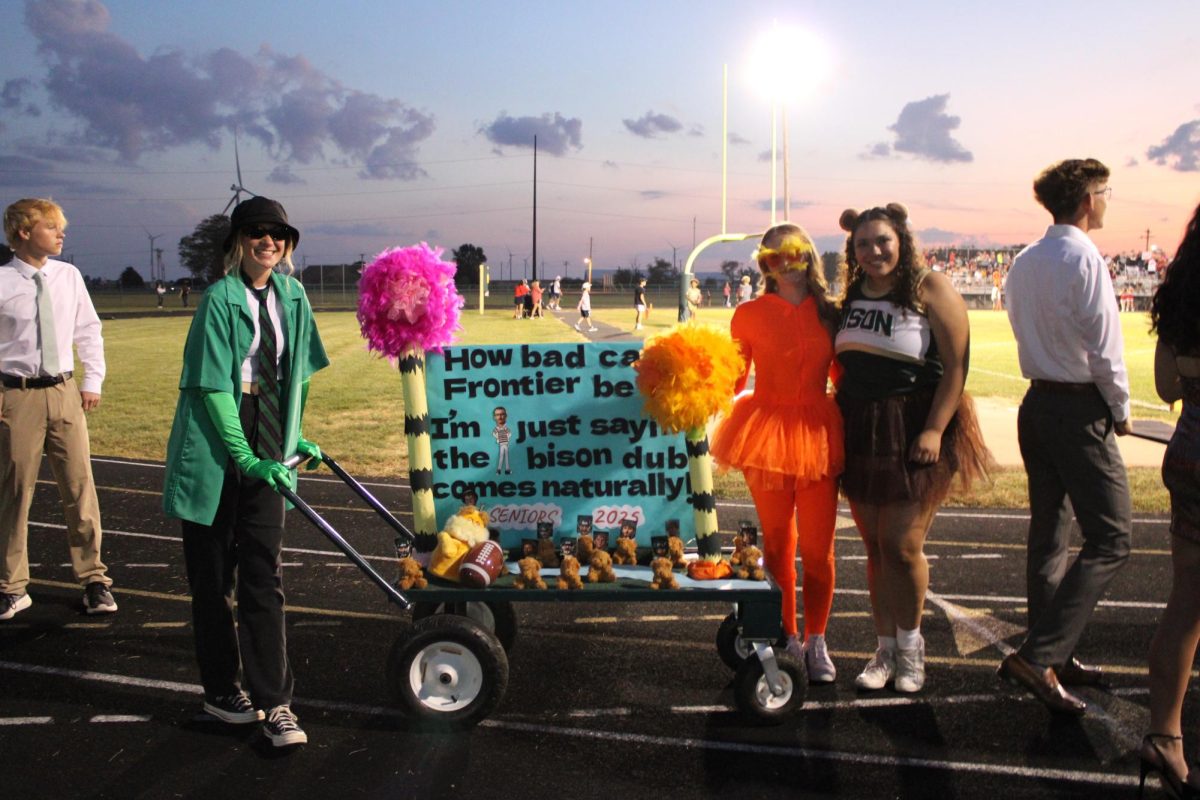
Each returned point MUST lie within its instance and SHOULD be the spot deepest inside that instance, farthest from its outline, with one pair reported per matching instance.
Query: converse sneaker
(910, 669)
(593, 329)
(236, 709)
(817, 661)
(13, 604)
(97, 599)
(879, 670)
(282, 727)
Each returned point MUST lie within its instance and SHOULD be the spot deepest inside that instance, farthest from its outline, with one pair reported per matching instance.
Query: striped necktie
(270, 422)
(46, 331)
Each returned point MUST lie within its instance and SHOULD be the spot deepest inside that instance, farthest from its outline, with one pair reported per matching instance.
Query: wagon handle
(316, 519)
(367, 497)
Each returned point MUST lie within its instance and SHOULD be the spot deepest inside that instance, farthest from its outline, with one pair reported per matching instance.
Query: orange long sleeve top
(789, 423)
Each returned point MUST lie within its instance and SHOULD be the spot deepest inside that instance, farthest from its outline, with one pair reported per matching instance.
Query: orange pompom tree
(686, 376)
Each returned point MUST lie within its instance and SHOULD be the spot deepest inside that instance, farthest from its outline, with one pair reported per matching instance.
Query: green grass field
(356, 413)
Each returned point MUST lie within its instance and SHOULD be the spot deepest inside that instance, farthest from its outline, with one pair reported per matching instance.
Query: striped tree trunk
(420, 450)
(704, 502)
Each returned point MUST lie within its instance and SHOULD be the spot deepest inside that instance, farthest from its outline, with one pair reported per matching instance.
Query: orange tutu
(800, 440)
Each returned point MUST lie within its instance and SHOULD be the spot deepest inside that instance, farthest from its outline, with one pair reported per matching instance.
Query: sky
(380, 123)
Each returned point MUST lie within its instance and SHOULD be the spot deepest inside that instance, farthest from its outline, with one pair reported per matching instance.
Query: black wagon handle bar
(394, 594)
(367, 497)
(1150, 437)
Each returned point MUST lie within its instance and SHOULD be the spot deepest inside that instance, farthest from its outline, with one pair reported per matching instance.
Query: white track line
(686, 743)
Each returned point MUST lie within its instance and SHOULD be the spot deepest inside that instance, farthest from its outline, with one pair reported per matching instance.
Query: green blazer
(217, 344)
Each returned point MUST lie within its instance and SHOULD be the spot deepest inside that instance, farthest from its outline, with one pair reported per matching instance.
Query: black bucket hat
(258, 211)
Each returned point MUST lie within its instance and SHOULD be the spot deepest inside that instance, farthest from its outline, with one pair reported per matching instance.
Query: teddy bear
(530, 576)
(749, 567)
(664, 578)
(584, 547)
(411, 576)
(600, 568)
(739, 544)
(675, 551)
(545, 553)
(568, 573)
(461, 532)
(626, 551)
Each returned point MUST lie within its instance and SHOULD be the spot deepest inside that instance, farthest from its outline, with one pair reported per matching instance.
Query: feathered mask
(793, 252)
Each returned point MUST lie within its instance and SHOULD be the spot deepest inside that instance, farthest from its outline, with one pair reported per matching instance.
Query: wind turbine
(152, 237)
(236, 188)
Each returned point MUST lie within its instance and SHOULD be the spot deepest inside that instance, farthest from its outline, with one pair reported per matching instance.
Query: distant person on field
(1064, 315)
(184, 290)
(694, 298)
(160, 292)
(639, 304)
(44, 310)
(585, 307)
(535, 299)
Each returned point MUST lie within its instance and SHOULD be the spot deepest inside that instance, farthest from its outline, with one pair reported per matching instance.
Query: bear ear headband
(895, 211)
(789, 255)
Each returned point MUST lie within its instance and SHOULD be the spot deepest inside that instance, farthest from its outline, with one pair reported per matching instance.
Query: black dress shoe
(1076, 673)
(1042, 683)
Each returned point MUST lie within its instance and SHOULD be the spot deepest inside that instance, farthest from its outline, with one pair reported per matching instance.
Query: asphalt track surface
(604, 700)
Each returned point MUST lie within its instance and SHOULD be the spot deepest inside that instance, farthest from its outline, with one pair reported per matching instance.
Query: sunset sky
(383, 123)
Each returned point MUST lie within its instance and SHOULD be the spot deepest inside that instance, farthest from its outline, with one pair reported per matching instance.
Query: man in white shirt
(1063, 312)
(44, 310)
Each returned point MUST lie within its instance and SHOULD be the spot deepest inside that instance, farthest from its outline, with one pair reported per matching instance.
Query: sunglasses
(261, 231)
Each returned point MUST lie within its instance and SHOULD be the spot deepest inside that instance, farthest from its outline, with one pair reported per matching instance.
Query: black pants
(242, 551)
(1070, 453)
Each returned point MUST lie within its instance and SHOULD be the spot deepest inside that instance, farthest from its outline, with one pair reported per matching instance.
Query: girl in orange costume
(786, 435)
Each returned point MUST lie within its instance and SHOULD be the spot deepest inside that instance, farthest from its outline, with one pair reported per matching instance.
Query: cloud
(650, 125)
(1182, 148)
(877, 150)
(735, 138)
(133, 104)
(653, 194)
(283, 175)
(610, 164)
(1131, 162)
(941, 236)
(923, 129)
(555, 132)
(696, 130)
(12, 94)
(831, 243)
(764, 155)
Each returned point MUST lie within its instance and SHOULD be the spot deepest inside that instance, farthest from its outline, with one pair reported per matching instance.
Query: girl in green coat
(241, 401)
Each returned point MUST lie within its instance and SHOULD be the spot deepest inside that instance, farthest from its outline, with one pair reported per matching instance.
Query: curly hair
(1061, 187)
(818, 287)
(1175, 310)
(910, 263)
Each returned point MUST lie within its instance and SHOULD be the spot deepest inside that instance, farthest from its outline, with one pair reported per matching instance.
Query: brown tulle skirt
(879, 434)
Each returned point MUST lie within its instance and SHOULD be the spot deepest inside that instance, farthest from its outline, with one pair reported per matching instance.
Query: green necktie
(46, 332)
(270, 423)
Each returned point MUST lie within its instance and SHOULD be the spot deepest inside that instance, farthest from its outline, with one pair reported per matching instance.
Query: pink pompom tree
(407, 306)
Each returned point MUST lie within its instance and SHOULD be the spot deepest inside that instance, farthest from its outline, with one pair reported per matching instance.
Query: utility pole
(589, 275)
(1147, 248)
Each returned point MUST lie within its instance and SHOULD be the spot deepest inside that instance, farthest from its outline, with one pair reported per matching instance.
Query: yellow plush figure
(462, 532)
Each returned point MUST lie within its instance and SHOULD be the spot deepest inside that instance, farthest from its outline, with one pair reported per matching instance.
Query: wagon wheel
(731, 647)
(447, 671)
(496, 616)
(754, 696)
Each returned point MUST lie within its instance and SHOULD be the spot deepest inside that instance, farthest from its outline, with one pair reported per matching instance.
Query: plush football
(482, 565)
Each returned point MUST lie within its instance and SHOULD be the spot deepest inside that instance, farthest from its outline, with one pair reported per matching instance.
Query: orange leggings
(811, 507)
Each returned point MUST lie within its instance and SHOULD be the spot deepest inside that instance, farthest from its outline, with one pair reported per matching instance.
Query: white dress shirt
(75, 322)
(1063, 312)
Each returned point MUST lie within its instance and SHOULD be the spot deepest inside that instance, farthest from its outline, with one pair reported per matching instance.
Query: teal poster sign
(552, 434)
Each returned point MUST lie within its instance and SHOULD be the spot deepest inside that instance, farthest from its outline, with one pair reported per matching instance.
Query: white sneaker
(910, 669)
(817, 662)
(879, 670)
(637, 327)
(795, 648)
(576, 326)
(593, 328)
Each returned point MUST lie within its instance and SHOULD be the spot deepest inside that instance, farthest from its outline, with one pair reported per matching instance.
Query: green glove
(223, 411)
(310, 451)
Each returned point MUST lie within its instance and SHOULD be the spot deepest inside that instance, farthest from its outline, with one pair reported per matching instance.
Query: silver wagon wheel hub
(768, 700)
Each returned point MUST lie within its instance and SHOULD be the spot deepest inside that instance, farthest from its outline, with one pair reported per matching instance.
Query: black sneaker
(236, 709)
(97, 599)
(282, 727)
(12, 604)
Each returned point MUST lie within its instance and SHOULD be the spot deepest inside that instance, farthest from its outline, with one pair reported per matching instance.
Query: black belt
(1062, 387)
(18, 382)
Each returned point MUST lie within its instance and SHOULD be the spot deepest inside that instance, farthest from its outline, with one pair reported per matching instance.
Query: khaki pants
(53, 419)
